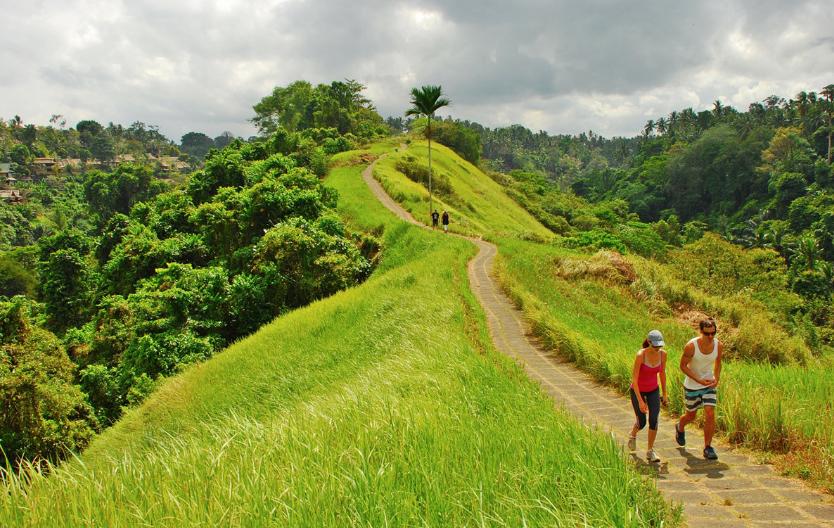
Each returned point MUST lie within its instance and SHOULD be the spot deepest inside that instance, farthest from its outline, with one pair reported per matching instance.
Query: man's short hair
(708, 323)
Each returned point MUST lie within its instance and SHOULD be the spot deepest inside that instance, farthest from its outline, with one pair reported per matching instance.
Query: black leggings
(652, 399)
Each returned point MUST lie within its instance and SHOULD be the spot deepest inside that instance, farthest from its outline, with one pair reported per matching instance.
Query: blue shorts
(695, 399)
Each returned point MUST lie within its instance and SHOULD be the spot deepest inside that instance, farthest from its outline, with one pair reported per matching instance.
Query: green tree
(828, 94)
(426, 101)
(43, 414)
(196, 144)
(117, 191)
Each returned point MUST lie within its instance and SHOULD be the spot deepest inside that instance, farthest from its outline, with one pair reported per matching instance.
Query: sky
(562, 66)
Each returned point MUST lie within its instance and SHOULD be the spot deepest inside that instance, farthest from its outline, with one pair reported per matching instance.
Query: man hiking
(434, 217)
(701, 362)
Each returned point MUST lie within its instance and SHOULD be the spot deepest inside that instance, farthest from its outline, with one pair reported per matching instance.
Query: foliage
(457, 137)
(44, 414)
(419, 173)
(300, 106)
(117, 191)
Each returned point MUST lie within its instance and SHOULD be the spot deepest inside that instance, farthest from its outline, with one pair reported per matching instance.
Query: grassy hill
(477, 205)
(382, 405)
(596, 310)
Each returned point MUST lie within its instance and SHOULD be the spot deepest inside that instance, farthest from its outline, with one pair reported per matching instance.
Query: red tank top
(647, 379)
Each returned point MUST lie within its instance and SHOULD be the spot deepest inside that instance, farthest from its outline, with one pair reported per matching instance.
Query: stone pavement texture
(733, 491)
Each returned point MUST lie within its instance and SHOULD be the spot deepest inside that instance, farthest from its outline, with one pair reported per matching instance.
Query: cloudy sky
(563, 66)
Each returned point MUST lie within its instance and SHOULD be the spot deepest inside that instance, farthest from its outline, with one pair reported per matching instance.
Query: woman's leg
(640, 415)
(653, 401)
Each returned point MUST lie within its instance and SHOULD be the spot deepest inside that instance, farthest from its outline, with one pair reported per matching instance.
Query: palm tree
(426, 101)
(828, 94)
(808, 251)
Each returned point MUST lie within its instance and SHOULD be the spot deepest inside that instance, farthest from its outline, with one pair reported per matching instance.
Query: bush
(43, 413)
(15, 279)
(595, 239)
(641, 239)
(419, 173)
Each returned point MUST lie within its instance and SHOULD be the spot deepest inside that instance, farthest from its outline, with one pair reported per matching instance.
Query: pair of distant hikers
(435, 216)
(701, 363)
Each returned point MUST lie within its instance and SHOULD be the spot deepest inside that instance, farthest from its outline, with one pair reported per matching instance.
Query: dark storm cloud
(560, 66)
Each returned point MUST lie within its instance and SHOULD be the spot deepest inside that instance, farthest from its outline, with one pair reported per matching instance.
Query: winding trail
(733, 491)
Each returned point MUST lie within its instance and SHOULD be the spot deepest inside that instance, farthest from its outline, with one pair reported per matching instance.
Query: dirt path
(733, 491)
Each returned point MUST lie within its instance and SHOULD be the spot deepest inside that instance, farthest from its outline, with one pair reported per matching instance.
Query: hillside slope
(595, 311)
(477, 205)
(382, 405)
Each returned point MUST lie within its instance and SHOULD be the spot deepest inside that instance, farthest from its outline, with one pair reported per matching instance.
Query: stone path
(733, 491)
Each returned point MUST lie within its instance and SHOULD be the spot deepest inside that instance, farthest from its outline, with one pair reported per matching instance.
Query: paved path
(731, 492)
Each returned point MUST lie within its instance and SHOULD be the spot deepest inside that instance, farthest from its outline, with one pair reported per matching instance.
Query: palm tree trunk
(431, 204)
(829, 140)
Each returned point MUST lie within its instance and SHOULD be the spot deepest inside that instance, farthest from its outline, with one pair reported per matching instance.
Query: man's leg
(709, 424)
(680, 435)
(686, 419)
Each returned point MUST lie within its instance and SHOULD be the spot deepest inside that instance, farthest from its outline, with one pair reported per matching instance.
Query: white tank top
(703, 365)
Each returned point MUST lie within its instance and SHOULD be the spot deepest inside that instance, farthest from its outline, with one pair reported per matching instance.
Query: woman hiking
(649, 364)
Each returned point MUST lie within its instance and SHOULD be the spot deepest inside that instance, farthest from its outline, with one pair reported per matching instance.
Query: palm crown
(426, 100)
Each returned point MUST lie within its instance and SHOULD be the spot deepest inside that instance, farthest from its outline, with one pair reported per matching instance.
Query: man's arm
(686, 358)
(717, 368)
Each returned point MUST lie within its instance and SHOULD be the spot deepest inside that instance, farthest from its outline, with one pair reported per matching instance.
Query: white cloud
(562, 66)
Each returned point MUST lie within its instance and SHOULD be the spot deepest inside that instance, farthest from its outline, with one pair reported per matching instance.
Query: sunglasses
(709, 333)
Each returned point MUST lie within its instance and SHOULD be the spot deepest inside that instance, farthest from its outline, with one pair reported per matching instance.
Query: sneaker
(651, 456)
(680, 436)
(710, 454)
(632, 443)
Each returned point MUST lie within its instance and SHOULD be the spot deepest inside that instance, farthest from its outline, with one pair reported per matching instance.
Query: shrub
(641, 239)
(43, 413)
(594, 239)
(419, 173)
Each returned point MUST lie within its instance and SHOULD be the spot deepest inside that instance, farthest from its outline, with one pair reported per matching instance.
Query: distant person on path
(701, 362)
(446, 221)
(434, 217)
(649, 364)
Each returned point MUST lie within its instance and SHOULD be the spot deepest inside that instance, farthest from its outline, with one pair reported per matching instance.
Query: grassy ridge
(784, 410)
(382, 405)
(479, 207)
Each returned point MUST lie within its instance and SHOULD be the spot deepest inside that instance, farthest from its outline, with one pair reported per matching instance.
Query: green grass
(600, 325)
(382, 405)
(479, 206)
(783, 410)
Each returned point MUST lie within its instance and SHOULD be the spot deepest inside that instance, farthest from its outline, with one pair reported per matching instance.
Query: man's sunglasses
(709, 333)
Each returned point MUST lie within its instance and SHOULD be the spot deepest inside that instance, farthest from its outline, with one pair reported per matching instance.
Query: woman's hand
(643, 407)
(664, 401)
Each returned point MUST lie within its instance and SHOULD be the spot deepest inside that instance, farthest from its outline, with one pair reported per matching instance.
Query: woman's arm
(663, 374)
(635, 378)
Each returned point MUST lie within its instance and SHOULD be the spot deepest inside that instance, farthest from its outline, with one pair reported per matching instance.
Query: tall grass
(600, 324)
(478, 205)
(382, 405)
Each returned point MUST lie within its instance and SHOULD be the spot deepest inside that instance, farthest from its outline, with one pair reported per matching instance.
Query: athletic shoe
(680, 436)
(710, 454)
(651, 456)
(632, 443)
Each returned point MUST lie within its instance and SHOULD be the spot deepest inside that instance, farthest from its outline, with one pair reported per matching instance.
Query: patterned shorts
(695, 399)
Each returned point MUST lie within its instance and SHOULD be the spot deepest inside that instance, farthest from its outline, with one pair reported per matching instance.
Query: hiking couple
(701, 363)
(445, 217)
